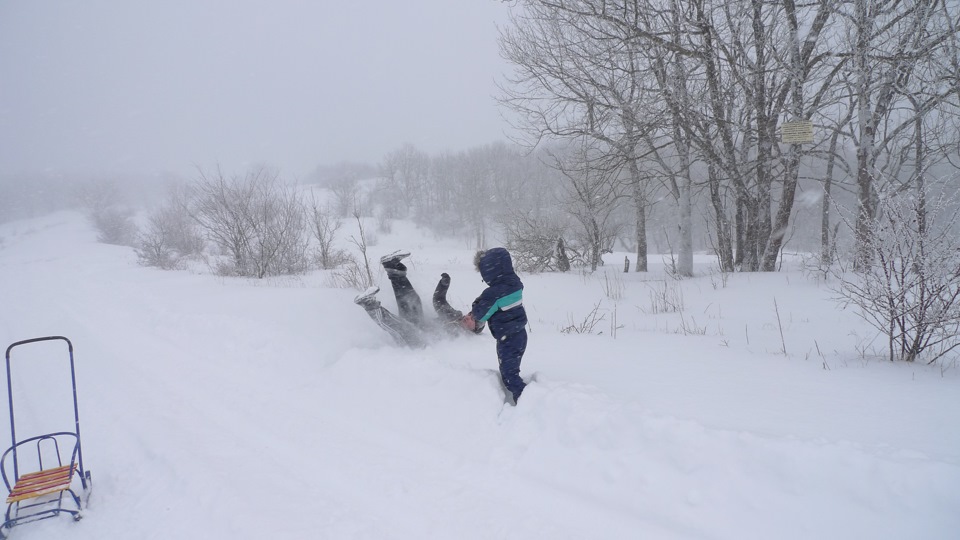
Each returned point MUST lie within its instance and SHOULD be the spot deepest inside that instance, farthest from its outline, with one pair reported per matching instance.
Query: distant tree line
(549, 212)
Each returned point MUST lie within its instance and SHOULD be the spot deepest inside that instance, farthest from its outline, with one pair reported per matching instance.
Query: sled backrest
(64, 451)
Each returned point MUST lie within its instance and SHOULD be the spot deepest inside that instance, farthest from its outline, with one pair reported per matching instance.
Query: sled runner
(44, 467)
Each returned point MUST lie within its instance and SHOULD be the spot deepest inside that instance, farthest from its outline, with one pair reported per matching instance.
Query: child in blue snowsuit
(500, 306)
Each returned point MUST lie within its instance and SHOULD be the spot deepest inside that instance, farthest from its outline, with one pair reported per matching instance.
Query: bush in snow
(911, 293)
(350, 275)
(324, 226)
(256, 220)
(533, 243)
(170, 236)
(154, 248)
(113, 221)
(115, 226)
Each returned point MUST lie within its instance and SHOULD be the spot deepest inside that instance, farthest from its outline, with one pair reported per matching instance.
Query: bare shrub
(533, 242)
(171, 235)
(911, 292)
(282, 244)
(154, 247)
(613, 286)
(690, 328)
(324, 226)
(719, 278)
(115, 226)
(256, 219)
(104, 206)
(185, 237)
(666, 298)
(587, 324)
(350, 275)
(362, 243)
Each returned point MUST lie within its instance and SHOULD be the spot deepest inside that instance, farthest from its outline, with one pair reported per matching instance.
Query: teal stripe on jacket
(509, 301)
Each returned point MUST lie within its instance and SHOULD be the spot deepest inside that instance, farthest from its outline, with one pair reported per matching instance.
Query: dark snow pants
(510, 349)
(408, 301)
(401, 330)
(444, 310)
(407, 329)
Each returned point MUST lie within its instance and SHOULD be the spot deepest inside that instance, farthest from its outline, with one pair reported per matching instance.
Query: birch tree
(901, 51)
(578, 76)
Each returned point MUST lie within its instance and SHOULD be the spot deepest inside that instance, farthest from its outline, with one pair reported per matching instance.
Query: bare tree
(902, 51)
(592, 196)
(727, 75)
(579, 75)
(345, 193)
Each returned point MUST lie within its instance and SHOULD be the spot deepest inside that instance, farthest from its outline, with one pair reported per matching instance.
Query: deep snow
(233, 408)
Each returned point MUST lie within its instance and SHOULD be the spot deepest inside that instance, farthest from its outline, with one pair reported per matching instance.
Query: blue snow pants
(510, 349)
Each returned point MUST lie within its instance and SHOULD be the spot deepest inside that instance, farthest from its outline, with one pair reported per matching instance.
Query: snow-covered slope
(228, 408)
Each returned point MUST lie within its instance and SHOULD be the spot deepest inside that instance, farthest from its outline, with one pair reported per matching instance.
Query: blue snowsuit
(500, 306)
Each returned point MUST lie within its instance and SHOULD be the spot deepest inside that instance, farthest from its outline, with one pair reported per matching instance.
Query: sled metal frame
(40, 494)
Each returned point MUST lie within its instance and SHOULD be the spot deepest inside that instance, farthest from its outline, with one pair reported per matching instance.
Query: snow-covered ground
(229, 408)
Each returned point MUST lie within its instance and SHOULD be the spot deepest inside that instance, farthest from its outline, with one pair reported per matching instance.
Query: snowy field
(217, 408)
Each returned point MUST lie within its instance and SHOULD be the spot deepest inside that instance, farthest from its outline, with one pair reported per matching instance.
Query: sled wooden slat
(42, 483)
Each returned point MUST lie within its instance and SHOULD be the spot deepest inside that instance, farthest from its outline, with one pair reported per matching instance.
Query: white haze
(116, 86)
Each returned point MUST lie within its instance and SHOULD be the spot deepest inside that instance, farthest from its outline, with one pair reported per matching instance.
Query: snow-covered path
(219, 408)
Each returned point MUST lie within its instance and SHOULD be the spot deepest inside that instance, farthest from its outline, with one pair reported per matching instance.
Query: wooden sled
(42, 484)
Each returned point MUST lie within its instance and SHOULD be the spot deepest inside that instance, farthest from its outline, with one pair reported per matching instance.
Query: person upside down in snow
(410, 328)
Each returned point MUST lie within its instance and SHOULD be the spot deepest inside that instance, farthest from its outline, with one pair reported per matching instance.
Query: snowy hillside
(226, 408)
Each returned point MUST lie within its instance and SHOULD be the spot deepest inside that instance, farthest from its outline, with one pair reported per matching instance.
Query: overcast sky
(163, 85)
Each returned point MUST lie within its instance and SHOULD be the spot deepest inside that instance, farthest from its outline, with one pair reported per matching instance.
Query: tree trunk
(865, 209)
(640, 201)
(741, 232)
(751, 235)
(792, 172)
(761, 211)
(685, 257)
(684, 202)
(779, 230)
(596, 246)
(826, 242)
(724, 242)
